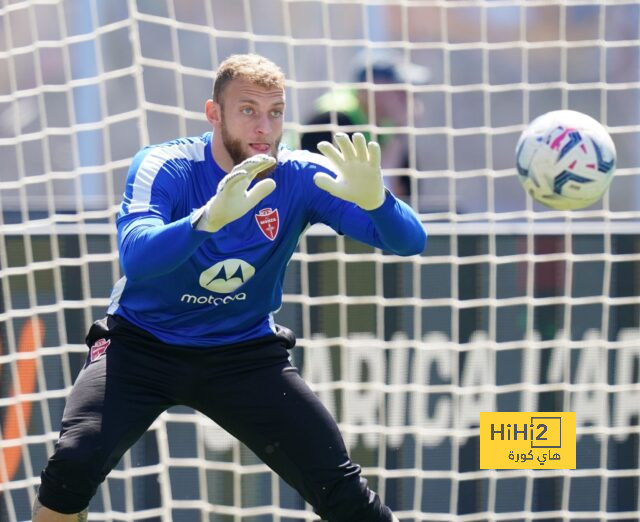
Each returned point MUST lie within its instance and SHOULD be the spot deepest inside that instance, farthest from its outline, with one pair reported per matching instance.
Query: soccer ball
(565, 160)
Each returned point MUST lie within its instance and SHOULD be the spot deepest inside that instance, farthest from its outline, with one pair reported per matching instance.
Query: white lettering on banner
(530, 372)
(318, 373)
(363, 405)
(589, 403)
(436, 357)
(558, 368)
(626, 404)
(386, 387)
(477, 373)
(397, 400)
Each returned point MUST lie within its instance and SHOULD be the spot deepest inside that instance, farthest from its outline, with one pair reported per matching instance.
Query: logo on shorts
(226, 276)
(269, 222)
(99, 348)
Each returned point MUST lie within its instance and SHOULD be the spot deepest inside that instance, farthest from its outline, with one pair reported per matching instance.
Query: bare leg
(44, 514)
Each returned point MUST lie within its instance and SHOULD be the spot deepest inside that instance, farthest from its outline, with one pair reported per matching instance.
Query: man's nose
(263, 125)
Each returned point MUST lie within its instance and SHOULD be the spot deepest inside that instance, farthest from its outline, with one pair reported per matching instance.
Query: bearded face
(233, 145)
(240, 149)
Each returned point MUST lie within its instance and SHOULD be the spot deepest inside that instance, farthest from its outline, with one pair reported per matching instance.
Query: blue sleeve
(151, 242)
(149, 248)
(393, 227)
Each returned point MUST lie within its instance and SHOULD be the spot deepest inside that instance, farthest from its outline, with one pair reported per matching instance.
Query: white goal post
(511, 307)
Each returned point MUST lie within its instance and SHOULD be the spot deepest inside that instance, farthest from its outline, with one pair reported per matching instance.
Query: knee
(70, 479)
(351, 499)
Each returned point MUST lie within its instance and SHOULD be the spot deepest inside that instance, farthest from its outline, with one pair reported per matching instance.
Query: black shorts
(249, 389)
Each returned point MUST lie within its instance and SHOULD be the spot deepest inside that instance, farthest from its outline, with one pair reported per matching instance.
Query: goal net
(512, 307)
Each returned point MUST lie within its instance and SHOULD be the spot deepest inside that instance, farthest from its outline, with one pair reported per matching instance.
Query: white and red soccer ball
(565, 160)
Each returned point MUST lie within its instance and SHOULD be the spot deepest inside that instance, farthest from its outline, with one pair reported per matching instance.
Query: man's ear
(213, 112)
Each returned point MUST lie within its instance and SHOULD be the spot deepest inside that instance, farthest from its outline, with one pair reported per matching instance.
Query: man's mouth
(260, 147)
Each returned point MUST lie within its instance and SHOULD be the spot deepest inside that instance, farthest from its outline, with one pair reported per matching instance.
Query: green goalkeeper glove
(232, 200)
(359, 176)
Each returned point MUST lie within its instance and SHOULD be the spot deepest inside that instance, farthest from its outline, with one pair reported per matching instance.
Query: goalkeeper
(206, 228)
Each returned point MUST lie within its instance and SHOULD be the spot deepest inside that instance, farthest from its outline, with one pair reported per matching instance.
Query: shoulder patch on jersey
(152, 163)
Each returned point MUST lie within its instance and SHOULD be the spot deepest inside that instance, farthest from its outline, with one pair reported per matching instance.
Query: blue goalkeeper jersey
(201, 289)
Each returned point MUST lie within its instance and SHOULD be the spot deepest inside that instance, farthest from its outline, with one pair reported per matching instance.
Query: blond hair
(251, 67)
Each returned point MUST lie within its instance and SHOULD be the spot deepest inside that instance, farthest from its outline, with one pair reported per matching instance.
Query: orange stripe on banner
(30, 338)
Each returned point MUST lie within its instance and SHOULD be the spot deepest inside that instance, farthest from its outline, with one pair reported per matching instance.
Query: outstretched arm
(394, 227)
(359, 176)
(387, 222)
(149, 247)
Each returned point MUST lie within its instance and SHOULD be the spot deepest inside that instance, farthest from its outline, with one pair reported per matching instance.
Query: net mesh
(511, 308)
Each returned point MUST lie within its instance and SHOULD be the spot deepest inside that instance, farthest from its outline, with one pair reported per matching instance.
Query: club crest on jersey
(269, 222)
(98, 348)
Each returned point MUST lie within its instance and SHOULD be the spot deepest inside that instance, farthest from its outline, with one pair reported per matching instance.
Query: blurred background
(512, 307)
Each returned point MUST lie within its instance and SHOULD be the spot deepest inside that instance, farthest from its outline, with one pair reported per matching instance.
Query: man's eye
(247, 110)
(276, 114)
